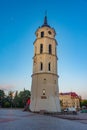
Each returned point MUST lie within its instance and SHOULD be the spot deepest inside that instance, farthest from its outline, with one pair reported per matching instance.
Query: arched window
(42, 34)
(41, 66)
(41, 48)
(49, 66)
(44, 91)
(50, 49)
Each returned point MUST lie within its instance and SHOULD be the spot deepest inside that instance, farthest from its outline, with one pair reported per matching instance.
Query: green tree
(16, 100)
(61, 104)
(21, 98)
(10, 97)
(84, 103)
(2, 95)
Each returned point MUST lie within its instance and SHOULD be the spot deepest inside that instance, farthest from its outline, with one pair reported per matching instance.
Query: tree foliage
(23, 97)
(14, 99)
(84, 103)
(2, 96)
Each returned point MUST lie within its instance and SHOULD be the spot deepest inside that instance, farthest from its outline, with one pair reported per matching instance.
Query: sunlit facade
(70, 99)
(44, 89)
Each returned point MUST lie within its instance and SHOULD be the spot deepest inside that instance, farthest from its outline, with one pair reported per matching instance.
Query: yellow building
(70, 99)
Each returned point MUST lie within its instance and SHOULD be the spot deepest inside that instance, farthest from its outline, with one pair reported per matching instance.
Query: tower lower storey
(45, 93)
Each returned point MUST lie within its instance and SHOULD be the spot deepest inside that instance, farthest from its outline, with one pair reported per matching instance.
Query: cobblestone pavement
(11, 119)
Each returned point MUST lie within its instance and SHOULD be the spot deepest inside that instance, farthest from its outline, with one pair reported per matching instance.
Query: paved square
(12, 119)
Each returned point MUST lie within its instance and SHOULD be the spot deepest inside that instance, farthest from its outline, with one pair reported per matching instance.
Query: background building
(70, 99)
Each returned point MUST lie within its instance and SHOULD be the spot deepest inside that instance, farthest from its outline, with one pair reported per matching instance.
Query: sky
(19, 19)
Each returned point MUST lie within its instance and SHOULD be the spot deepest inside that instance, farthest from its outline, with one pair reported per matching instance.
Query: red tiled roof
(73, 94)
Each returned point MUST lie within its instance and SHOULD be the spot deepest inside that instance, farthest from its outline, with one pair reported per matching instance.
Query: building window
(41, 66)
(49, 32)
(44, 92)
(50, 49)
(49, 66)
(41, 48)
(44, 81)
(42, 34)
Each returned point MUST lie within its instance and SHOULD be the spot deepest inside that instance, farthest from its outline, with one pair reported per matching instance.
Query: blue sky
(19, 20)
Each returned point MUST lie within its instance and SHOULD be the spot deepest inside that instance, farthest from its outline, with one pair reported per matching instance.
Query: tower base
(47, 105)
(49, 101)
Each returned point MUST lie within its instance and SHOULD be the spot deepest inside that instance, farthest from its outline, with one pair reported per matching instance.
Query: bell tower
(44, 89)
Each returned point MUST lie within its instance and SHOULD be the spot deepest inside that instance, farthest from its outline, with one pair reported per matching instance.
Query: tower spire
(45, 20)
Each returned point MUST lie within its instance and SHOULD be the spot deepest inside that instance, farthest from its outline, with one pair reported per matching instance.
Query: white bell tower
(44, 89)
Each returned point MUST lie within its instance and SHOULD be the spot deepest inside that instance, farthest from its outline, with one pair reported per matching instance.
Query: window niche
(41, 66)
(50, 49)
(42, 34)
(49, 32)
(44, 81)
(43, 94)
(49, 66)
(41, 48)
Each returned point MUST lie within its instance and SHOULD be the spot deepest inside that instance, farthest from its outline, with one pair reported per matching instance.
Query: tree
(10, 96)
(21, 98)
(16, 100)
(84, 103)
(2, 95)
